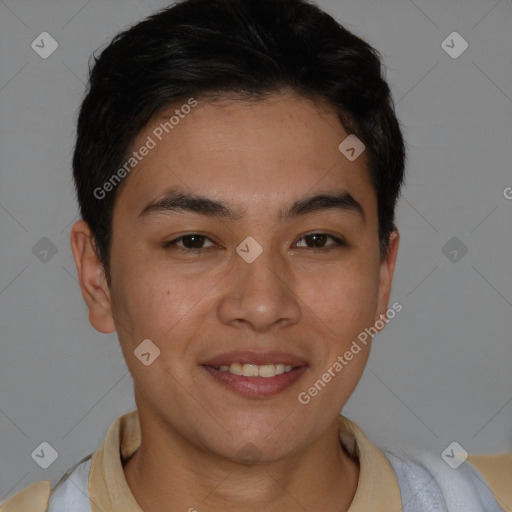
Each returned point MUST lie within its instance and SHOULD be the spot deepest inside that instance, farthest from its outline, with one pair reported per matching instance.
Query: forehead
(247, 153)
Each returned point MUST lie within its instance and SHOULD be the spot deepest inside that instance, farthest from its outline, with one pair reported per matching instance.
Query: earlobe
(91, 276)
(387, 268)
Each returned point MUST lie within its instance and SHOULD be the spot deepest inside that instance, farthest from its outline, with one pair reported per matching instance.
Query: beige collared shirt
(377, 486)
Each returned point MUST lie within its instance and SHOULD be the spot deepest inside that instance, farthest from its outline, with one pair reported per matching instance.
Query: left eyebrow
(176, 200)
(342, 201)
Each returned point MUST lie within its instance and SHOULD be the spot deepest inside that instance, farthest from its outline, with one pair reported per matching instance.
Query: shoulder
(479, 483)
(497, 471)
(70, 493)
(33, 498)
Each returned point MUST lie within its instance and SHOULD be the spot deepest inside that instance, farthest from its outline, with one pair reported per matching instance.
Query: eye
(192, 242)
(318, 240)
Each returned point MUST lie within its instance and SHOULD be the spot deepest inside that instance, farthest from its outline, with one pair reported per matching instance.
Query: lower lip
(256, 387)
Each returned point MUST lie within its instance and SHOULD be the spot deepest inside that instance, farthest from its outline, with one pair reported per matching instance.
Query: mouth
(256, 375)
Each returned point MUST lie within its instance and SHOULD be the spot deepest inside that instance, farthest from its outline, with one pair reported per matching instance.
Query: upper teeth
(254, 370)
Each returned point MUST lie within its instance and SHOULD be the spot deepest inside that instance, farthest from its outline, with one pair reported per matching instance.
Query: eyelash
(172, 244)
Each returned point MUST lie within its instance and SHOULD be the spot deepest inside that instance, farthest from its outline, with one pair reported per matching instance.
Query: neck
(169, 474)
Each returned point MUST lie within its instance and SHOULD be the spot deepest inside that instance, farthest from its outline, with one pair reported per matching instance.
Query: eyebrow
(176, 200)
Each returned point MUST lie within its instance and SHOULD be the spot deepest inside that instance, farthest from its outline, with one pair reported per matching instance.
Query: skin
(258, 157)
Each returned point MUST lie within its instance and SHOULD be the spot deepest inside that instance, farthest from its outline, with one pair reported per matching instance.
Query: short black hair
(244, 48)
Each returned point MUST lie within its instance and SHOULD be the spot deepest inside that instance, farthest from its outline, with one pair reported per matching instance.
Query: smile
(255, 370)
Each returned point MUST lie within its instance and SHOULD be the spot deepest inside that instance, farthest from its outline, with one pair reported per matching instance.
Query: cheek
(156, 302)
(345, 297)
(153, 304)
(140, 295)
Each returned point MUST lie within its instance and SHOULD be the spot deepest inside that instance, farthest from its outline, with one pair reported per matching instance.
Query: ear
(387, 268)
(91, 276)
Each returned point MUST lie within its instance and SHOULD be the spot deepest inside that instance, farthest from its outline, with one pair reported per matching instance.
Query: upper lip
(257, 358)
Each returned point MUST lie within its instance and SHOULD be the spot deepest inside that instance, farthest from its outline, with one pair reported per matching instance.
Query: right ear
(91, 276)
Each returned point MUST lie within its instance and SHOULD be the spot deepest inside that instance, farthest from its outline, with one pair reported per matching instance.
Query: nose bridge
(263, 272)
(262, 292)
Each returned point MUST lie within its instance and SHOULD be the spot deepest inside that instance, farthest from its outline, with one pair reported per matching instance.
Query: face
(270, 266)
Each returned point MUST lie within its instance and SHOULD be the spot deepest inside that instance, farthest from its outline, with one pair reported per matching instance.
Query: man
(237, 167)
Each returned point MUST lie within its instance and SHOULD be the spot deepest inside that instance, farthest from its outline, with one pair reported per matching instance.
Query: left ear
(387, 268)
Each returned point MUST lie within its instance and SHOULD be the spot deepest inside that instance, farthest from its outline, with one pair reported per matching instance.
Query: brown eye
(318, 240)
(192, 242)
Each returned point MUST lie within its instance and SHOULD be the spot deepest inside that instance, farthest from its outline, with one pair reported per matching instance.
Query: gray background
(439, 372)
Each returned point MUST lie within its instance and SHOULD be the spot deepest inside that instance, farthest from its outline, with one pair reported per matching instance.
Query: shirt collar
(109, 492)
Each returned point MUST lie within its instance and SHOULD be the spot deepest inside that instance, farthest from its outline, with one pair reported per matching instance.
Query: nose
(260, 294)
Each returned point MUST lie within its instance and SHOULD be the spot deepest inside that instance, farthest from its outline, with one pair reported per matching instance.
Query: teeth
(254, 370)
(267, 370)
(250, 370)
(236, 369)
